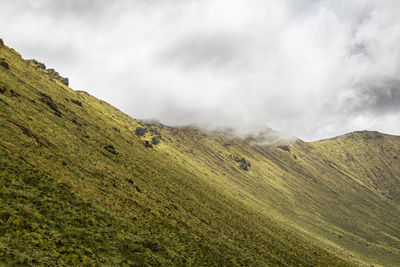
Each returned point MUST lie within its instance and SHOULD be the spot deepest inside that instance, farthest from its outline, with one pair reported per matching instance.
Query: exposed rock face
(38, 65)
(55, 75)
(51, 72)
(1, 42)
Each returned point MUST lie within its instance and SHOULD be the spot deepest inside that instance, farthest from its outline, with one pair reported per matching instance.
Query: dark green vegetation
(82, 183)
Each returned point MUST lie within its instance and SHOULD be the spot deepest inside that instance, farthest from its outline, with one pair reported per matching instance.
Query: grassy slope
(342, 193)
(66, 198)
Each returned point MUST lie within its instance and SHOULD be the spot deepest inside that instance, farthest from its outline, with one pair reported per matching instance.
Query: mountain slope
(342, 193)
(81, 182)
(79, 186)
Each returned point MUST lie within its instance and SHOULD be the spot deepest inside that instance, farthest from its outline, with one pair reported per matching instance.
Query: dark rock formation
(38, 65)
(65, 81)
(147, 144)
(138, 189)
(76, 102)
(140, 131)
(155, 140)
(3, 63)
(14, 94)
(244, 164)
(51, 72)
(285, 148)
(55, 75)
(111, 149)
(50, 103)
(154, 131)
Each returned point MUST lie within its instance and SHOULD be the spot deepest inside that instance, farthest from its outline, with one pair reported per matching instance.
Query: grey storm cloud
(206, 51)
(310, 68)
(376, 97)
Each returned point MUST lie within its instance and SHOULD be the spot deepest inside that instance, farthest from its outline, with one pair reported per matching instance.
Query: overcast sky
(310, 68)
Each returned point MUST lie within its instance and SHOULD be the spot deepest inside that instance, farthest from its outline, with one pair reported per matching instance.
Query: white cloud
(310, 68)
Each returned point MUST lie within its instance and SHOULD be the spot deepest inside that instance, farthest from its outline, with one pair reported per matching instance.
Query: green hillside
(340, 193)
(81, 183)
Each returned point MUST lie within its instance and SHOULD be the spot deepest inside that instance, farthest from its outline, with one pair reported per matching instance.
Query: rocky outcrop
(55, 75)
(51, 72)
(37, 64)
